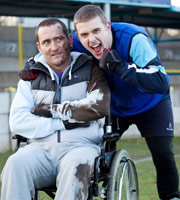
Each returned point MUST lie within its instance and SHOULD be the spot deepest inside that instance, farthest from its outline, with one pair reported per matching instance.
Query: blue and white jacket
(141, 82)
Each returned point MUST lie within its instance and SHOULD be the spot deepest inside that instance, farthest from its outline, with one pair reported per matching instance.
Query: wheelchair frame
(112, 168)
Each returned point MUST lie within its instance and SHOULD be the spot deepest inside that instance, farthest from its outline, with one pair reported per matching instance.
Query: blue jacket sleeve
(146, 71)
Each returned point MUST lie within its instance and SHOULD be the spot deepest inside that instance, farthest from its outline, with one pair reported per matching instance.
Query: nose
(54, 46)
(92, 38)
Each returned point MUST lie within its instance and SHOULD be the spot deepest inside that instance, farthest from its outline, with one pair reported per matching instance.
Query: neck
(62, 67)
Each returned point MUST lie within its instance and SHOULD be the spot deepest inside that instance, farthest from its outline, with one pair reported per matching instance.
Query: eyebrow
(97, 28)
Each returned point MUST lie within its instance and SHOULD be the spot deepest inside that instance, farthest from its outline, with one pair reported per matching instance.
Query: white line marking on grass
(149, 159)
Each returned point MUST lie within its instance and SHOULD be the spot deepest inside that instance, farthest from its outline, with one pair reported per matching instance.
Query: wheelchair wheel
(123, 183)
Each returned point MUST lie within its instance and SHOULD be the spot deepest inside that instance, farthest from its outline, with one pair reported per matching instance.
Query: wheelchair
(115, 175)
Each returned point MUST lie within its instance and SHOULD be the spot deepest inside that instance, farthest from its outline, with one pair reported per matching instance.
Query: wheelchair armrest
(111, 137)
(19, 139)
(109, 142)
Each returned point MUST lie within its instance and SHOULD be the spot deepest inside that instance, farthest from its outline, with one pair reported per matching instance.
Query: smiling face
(95, 36)
(55, 46)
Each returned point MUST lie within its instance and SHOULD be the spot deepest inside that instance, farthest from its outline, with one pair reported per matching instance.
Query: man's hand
(70, 126)
(42, 110)
(61, 111)
(26, 74)
(110, 60)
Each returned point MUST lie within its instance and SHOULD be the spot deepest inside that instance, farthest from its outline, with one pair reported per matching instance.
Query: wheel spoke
(123, 182)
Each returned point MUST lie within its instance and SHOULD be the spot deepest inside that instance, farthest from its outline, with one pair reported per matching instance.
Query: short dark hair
(89, 12)
(49, 22)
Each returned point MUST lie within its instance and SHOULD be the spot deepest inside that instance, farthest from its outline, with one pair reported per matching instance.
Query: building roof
(151, 13)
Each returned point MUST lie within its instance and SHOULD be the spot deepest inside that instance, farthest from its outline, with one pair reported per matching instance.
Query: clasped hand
(27, 73)
(58, 111)
(61, 111)
(110, 60)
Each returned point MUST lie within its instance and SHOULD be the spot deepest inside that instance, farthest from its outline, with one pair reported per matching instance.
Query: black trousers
(157, 127)
(167, 174)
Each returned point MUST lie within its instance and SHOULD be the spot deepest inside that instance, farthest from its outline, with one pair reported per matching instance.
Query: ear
(77, 34)
(108, 25)
(38, 46)
(70, 38)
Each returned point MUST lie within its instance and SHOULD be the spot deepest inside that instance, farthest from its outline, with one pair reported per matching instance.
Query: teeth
(96, 45)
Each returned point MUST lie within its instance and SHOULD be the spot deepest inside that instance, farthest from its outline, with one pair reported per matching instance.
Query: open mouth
(96, 48)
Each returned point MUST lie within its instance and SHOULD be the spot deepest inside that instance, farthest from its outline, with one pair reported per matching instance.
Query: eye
(97, 30)
(58, 39)
(84, 35)
(45, 42)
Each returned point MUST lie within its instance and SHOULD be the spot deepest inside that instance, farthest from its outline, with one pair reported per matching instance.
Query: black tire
(123, 183)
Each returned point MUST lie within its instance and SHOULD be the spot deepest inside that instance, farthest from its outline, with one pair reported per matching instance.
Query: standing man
(61, 111)
(139, 86)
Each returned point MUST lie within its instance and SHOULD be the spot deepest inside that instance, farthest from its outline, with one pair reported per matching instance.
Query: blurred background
(18, 20)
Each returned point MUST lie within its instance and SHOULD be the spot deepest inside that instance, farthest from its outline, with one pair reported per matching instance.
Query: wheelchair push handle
(109, 134)
(108, 128)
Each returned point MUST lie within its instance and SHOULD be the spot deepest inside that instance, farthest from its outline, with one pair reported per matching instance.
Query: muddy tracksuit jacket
(83, 85)
(141, 82)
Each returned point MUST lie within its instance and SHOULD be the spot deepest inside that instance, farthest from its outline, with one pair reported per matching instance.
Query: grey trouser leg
(74, 173)
(29, 167)
(69, 166)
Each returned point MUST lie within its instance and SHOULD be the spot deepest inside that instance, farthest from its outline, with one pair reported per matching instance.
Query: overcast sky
(175, 3)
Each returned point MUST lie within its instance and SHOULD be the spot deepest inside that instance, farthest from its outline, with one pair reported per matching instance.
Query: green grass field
(137, 149)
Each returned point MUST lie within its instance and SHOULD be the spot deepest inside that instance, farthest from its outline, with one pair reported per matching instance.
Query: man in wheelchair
(60, 110)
